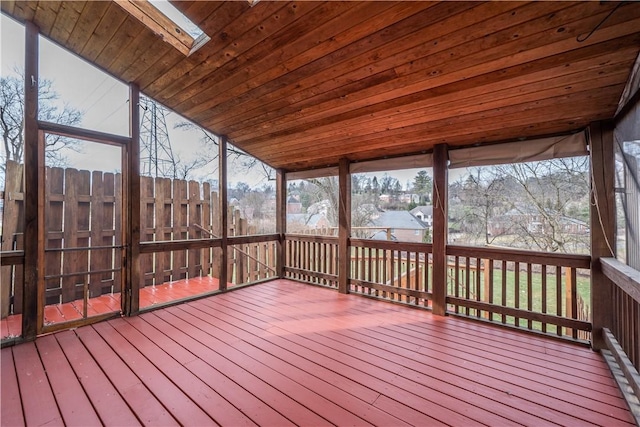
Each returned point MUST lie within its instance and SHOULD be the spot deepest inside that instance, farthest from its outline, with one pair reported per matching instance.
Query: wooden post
(281, 220)
(33, 296)
(603, 226)
(224, 212)
(344, 225)
(131, 208)
(440, 220)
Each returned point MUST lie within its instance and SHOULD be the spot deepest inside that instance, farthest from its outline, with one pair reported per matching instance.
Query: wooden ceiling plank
(392, 45)
(454, 71)
(235, 39)
(87, 23)
(502, 135)
(577, 82)
(109, 24)
(474, 90)
(66, 20)
(213, 18)
(124, 36)
(274, 52)
(401, 20)
(197, 11)
(450, 46)
(8, 6)
(222, 18)
(477, 45)
(564, 106)
(142, 44)
(147, 58)
(172, 59)
(45, 16)
(558, 105)
(284, 68)
(24, 10)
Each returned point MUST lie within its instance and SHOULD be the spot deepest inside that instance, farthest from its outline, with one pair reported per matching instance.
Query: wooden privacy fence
(83, 237)
(173, 210)
(12, 238)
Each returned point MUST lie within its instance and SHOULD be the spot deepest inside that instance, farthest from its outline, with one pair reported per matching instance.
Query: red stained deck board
(206, 398)
(74, 405)
(283, 353)
(305, 378)
(605, 409)
(239, 326)
(142, 402)
(254, 380)
(248, 403)
(478, 399)
(10, 409)
(38, 402)
(177, 403)
(535, 362)
(431, 401)
(110, 406)
(288, 388)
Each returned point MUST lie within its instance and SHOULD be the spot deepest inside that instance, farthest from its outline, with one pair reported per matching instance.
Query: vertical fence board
(12, 228)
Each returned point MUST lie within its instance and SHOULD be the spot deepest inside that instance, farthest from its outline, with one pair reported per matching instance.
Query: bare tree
(207, 154)
(12, 120)
(539, 205)
(555, 196)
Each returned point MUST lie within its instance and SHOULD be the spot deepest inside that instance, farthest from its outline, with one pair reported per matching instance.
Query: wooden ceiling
(302, 84)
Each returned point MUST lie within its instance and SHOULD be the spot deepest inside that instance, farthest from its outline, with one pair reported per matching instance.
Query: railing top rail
(518, 255)
(311, 238)
(625, 277)
(392, 245)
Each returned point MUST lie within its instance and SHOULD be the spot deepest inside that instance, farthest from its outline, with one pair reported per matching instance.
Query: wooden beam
(344, 225)
(603, 227)
(131, 207)
(32, 305)
(224, 217)
(440, 220)
(281, 219)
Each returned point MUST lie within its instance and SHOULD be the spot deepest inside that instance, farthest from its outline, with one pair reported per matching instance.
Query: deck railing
(543, 292)
(394, 271)
(312, 259)
(251, 259)
(626, 307)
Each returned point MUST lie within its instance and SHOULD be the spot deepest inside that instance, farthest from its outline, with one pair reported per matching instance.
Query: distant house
(534, 221)
(402, 225)
(294, 206)
(305, 223)
(424, 214)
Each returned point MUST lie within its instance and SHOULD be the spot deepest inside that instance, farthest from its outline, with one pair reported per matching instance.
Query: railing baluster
(544, 294)
(504, 289)
(516, 289)
(529, 293)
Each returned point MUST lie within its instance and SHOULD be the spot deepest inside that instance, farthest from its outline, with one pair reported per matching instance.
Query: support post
(440, 220)
(603, 226)
(344, 225)
(224, 213)
(131, 207)
(281, 220)
(32, 303)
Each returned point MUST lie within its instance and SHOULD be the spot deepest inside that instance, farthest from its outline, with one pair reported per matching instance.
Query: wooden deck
(283, 353)
(11, 326)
